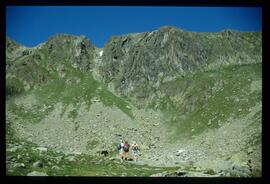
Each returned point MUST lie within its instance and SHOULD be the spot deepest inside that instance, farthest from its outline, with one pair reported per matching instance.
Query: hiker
(135, 151)
(120, 148)
(126, 150)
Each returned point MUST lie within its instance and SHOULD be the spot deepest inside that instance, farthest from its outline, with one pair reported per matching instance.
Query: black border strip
(129, 180)
(249, 3)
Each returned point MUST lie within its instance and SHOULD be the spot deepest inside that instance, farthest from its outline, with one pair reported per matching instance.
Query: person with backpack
(120, 148)
(126, 150)
(135, 151)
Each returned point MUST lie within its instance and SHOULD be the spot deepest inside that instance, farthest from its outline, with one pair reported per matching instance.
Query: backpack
(135, 148)
(119, 146)
(126, 147)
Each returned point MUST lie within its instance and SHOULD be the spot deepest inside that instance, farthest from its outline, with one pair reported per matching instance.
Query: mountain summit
(143, 61)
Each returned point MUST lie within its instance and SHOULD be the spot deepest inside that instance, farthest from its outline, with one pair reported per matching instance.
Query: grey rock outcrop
(38, 164)
(135, 64)
(36, 173)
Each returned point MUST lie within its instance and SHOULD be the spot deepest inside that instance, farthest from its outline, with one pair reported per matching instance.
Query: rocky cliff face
(77, 50)
(136, 64)
(28, 67)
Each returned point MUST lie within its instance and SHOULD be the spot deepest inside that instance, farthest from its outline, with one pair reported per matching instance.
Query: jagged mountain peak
(65, 36)
(132, 61)
(62, 39)
(169, 28)
(12, 45)
(144, 60)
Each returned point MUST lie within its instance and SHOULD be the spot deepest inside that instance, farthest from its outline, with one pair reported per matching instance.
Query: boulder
(250, 150)
(77, 153)
(71, 158)
(163, 174)
(224, 173)
(240, 171)
(36, 173)
(209, 172)
(180, 173)
(21, 165)
(55, 167)
(30, 139)
(42, 149)
(38, 164)
(179, 152)
(236, 171)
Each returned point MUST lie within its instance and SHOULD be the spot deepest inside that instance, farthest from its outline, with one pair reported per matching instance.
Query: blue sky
(31, 25)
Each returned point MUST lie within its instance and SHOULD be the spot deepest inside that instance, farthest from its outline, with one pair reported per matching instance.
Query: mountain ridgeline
(135, 65)
(168, 89)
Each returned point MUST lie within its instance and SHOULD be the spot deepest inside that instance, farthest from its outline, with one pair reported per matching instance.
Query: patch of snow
(101, 53)
(180, 151)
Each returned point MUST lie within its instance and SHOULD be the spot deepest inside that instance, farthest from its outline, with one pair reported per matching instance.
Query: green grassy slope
(205, 100)
(75, 88)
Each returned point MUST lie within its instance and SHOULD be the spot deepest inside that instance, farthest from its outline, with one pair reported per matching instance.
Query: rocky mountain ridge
(136, 64)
